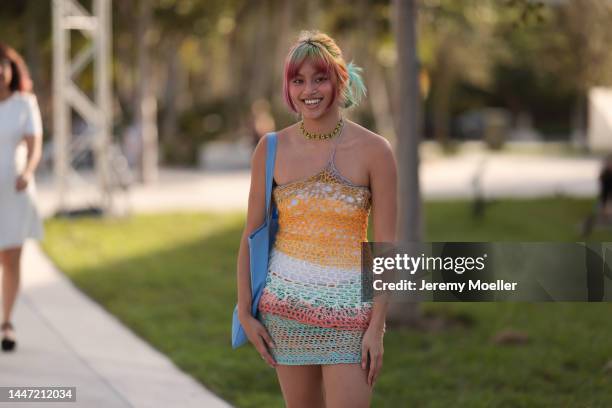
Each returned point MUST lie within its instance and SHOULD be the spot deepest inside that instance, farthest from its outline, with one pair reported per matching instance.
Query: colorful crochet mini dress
(311, 303)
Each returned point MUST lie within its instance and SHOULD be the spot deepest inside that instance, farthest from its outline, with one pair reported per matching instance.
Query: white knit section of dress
(300, 271)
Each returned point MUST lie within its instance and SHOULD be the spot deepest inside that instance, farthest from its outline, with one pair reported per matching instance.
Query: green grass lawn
(171, 278)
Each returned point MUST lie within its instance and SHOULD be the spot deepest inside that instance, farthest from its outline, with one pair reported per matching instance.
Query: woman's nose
(311, 87)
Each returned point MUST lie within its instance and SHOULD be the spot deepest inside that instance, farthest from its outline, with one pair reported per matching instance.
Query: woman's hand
(372, 346)
(259, 337)
(22, 181)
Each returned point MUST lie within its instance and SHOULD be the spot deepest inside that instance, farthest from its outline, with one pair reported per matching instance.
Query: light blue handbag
(260, 242)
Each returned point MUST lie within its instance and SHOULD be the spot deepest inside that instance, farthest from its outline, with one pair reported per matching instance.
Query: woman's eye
(297, 81)
(321, 79)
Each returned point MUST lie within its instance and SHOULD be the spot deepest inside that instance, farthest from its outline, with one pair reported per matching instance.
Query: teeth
(312, 101)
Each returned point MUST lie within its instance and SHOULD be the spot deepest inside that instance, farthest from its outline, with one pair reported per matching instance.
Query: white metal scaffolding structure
(70, 15)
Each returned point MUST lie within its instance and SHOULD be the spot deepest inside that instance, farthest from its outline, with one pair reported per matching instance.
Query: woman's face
(311, 91)
(6, 74)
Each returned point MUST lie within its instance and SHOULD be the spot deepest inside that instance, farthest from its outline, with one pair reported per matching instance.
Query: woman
(325, 344)
(605, 188)
(20, 150)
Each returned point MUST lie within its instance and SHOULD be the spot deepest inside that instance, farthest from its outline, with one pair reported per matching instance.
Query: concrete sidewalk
(442, 178)
(66, 339)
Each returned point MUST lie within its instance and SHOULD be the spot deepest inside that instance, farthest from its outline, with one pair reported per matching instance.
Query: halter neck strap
(336, 142)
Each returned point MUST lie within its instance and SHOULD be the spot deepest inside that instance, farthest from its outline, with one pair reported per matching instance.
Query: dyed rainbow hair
(322, 50)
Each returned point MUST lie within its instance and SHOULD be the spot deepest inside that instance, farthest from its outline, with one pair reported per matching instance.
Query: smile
(313, 101)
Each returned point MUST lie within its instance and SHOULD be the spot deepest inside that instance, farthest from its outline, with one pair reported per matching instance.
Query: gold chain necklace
(321, 136)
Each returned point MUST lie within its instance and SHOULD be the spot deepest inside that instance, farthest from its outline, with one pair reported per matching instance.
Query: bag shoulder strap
(270, 159)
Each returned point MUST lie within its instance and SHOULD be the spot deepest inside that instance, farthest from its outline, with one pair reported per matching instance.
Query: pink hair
(326, 57)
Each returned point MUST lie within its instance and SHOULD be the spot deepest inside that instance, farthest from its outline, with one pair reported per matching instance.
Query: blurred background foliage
(211, 60)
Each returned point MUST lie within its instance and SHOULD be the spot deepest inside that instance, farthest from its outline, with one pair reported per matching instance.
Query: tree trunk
(284, 38)
(374, 73)
(379, 101)
(441, 96)
(174, 80)
(579, 120)
(260, 75)
(408, 137)
(34, 57)
(146, 106)
(123, 47)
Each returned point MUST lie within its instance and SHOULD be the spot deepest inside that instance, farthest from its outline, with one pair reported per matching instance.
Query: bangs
(306, 51)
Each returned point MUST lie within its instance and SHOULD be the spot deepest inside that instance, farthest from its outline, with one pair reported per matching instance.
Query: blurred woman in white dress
(20, 151)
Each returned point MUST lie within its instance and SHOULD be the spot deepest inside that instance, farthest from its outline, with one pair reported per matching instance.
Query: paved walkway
(504, 175)
(66, 339)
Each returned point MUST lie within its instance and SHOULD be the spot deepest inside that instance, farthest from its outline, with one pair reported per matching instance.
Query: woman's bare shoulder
(285, 133)
(280, 135)
(283, 138)
(376, 145)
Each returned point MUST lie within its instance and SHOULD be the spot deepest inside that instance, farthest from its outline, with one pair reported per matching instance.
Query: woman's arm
(255, 217)
(33, 138)
(383, 181)
(255, 331)
(383, 184)
(34, 147)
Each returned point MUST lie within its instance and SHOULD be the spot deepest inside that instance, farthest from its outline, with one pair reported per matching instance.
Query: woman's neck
(323, 124)
(5, 92)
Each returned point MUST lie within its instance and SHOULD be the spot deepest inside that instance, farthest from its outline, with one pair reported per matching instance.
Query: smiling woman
(317, 57)
(312, 324)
